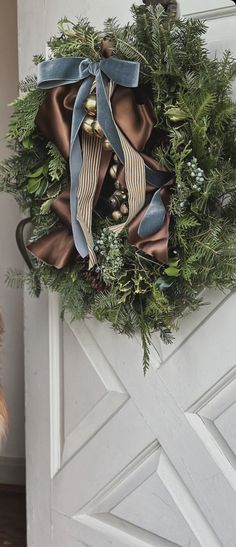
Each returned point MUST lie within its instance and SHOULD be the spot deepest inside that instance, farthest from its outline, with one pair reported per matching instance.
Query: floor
(12, 516)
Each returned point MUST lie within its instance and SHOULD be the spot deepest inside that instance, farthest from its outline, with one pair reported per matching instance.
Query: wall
(45, 12)
(11, 301)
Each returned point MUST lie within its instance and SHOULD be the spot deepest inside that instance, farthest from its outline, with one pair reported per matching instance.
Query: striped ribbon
(92, 151)
(134, 176)
(135, 180)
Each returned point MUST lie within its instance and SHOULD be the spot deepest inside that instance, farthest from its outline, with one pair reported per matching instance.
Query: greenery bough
(192, 98)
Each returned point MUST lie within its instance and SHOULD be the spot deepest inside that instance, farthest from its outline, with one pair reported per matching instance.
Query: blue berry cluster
(110, 258)
(197, 178)
(197, 174)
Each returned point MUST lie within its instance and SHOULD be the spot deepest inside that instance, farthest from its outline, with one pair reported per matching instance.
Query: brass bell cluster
(90, 124)
(118, 201)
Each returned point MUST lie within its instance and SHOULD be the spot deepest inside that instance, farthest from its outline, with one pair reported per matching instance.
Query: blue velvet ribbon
(154, 217)
(70, 70)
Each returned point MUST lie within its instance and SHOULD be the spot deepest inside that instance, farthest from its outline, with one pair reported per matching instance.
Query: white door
(113, 458)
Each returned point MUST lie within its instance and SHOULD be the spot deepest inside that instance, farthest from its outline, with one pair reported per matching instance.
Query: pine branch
(57, 164)
(22, 123)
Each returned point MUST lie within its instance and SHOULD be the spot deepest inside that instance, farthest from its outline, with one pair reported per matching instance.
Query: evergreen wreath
(192, 98)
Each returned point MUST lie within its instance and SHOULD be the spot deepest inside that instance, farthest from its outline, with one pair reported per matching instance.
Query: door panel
(160, 456)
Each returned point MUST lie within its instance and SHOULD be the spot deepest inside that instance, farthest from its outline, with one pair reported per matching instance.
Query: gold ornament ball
(113, 203)
(124, 209)
(120, 195)
(90, 104)
(98, 130)
(124, 194)
(88, 125)
(116, 215)
(107, 145)
(113, 171)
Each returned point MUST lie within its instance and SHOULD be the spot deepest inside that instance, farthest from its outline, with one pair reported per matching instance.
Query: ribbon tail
(105, 117)
(131, 159)
(154, 217)
(76, 162)
(92, 151)
(55, 249)
(135, 181)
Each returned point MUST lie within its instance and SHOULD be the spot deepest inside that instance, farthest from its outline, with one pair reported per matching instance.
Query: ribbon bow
(69, 70)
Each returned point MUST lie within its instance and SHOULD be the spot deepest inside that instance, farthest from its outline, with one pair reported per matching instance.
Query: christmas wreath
(124, 155)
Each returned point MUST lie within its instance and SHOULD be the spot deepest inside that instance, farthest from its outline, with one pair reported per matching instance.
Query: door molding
(208, 15)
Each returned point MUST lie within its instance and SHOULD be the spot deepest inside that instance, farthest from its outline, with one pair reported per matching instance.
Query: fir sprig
(22, 123)
(57, 164)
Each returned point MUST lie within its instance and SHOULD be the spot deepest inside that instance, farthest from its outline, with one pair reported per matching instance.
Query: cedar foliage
(192, 97)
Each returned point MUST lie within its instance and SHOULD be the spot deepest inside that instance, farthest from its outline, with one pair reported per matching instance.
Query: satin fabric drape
(136, 119)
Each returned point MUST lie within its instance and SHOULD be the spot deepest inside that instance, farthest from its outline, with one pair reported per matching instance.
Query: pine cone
(93, 276)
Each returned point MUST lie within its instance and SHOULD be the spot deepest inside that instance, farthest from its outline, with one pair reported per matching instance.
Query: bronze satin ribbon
(136, 122)
(57, 248)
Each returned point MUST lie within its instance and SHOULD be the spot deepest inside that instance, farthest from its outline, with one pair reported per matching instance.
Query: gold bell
(88, 125)
(98, 130)
(113, 203)
(107, 145)
(120, 195)
(90, 104)
(124, 209)
(115, 158)
(117, 184)
(116, 215)
(113, 171)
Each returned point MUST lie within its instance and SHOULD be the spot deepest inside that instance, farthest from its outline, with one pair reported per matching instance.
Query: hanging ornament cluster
(118, 201)
(90, 124)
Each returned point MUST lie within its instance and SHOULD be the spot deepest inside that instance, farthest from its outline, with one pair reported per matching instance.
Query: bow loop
(125, 73)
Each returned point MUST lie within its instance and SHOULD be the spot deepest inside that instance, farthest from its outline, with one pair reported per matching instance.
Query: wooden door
(116, 459)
